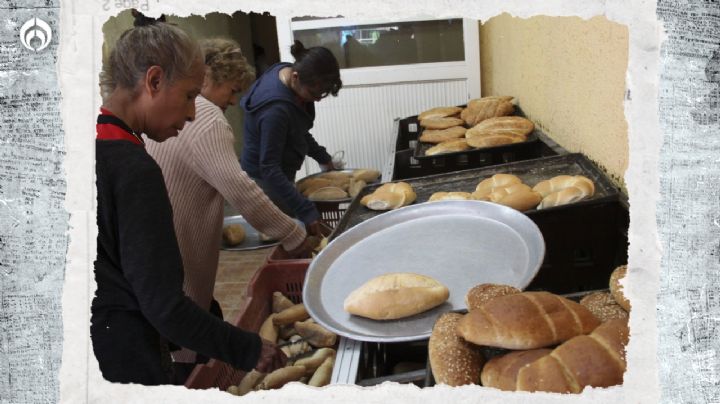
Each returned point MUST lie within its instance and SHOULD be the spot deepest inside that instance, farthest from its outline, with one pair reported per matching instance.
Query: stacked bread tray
(584, 240)
(411, 162)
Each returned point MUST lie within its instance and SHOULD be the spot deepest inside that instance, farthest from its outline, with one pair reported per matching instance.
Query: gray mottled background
(33, 220)
(688, 216)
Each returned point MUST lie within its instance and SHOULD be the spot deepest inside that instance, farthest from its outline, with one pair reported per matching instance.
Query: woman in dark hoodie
(279, 112)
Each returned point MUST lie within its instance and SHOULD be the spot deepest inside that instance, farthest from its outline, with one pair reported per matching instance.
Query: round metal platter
(252, 239)
(458, 243)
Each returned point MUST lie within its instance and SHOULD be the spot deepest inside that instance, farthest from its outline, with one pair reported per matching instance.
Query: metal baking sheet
(347, 170)
(252, 236)
(459, 243)
(529, 171)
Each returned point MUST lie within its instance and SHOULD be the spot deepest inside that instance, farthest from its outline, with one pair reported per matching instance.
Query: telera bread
(396, 295)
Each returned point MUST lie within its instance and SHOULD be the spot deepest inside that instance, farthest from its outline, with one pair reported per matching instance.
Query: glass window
(387, 44)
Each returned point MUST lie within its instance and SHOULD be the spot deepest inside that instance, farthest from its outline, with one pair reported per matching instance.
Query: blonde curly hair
(226, 62)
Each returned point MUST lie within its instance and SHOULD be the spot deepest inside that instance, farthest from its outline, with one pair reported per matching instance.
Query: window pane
(391, 43)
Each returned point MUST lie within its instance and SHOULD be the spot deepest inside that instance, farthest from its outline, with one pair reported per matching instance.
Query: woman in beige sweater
(201, 171)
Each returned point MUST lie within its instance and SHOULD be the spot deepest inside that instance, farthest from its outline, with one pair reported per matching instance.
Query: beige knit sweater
(201, 170)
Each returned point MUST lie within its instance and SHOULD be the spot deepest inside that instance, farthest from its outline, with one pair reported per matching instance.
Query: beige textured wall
(568, 76)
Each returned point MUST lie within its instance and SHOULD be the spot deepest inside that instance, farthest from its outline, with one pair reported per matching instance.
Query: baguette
(268, 329)
(315, 334)
(484, 292)
(501, 372)
(311, 363)
(596, 360)
(280, 302)
(452, 360)
(290, 315)
(248, 383)
(527, 320)
(395, 295)
(322, 375)
(281, 377)
(616, 289)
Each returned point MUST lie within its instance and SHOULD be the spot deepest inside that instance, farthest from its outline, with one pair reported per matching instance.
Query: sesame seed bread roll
(453, 361)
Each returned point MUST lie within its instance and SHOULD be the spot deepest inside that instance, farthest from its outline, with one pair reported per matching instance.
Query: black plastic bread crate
(407, 134)
(584, 241)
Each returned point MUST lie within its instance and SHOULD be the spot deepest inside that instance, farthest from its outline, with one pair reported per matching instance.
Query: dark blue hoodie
(277, 139)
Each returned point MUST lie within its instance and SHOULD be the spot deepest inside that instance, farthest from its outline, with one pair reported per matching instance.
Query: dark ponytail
(316, 66)
(142, 21)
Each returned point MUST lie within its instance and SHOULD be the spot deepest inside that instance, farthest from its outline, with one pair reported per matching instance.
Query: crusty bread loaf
(328, 194)
(355, 187)
(616, 289)
(233, 234)
(280, 302)
(315, 334)
(438, 112)
(249, 381)
(450, 196)
(290, 315)
(498, 180)
(604, 306)
(366, 174)
(596, 360)
(268, 329)
(312, 362)
(480, 109)
(527, 320)
(453, 361)
(441, 123)
(501, 371)
(517, 196)
(282, 376)
(396, 295)
(388, 196)
(503, 124)
(322, 375)
(442, 135)
(448, 146)
(484, 292)
(494, 139)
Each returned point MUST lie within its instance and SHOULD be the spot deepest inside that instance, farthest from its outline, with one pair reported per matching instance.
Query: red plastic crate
(286, 277)
(279, 255)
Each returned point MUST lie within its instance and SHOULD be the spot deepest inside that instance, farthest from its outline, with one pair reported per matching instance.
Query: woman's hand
(271, 358)
(305, 249)
(318, 229)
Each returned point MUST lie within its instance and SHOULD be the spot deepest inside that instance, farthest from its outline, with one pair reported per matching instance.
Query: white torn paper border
(79, 62)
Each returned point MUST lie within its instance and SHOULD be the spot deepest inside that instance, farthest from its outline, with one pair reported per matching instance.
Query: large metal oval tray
(459, 243)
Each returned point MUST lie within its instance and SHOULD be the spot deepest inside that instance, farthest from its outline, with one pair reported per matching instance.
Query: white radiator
(360, 119)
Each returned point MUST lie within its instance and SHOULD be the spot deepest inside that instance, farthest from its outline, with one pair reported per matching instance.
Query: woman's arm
(152, 265)
(214, 159)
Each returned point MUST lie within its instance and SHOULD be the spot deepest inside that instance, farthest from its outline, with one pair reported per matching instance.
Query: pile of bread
(485, 122)
(549, 343)
(310, 349)
(336, 185)
(509, 190)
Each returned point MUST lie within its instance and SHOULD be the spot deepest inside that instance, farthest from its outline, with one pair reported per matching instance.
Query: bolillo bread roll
(396, 295)
(366, 174)
(449, 146)
(527, 320)
(441, 123)
(442, 135)
(233, 234)
(486, 186)
(564, 189)
(596, 360)
(604, 306)
(438, 112)
(517, 196)
(452, 360)
(494, 139)
(501, 372)
(327, 194)
(505, 124)
(450, 196)
(388, 196)
(480, 109)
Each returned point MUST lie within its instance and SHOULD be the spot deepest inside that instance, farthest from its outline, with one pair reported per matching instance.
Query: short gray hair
(139, 48)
